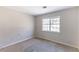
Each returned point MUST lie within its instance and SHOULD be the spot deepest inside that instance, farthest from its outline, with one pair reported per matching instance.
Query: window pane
(51, 24)
(46, 21)
(54, 25)
(55, 29)
(55, 21)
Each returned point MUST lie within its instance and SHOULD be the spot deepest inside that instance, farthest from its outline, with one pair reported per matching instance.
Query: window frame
(50, 24)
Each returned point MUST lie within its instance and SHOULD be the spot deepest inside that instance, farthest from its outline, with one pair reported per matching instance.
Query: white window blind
(52, 24)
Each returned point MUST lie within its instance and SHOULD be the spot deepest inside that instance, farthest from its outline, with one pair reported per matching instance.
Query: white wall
(68, 28)
(14, 26)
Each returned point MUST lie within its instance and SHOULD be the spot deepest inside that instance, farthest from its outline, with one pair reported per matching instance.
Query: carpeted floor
(39, 45)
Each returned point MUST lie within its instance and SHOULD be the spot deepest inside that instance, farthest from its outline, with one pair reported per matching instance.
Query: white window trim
(51, 25)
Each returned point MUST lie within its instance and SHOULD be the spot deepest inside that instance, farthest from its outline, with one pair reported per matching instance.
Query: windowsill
(51, 31)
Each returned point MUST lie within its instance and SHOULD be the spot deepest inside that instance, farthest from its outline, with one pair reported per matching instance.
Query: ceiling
(37, 10)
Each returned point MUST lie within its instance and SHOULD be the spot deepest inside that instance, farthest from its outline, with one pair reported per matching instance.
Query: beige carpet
(39, 45)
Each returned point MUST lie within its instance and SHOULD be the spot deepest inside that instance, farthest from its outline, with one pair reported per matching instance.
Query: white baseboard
(66, 44)
(12, 43)
(60, 43)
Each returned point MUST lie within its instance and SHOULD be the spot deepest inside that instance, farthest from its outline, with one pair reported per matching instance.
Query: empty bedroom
(39, 29)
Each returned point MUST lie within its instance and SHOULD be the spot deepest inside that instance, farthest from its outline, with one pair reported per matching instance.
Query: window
(52, 24)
